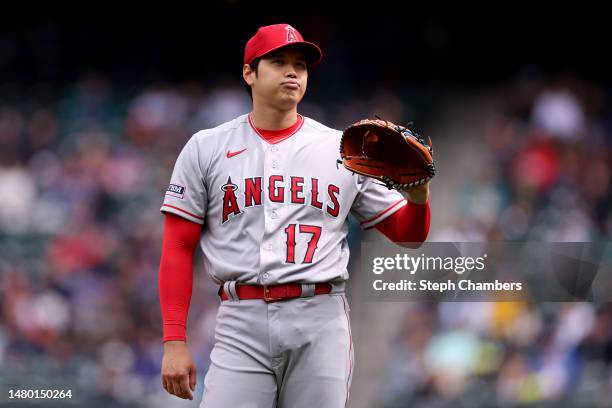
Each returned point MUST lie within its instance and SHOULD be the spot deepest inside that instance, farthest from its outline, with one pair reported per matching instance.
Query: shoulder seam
(211, 131)
(318, 125)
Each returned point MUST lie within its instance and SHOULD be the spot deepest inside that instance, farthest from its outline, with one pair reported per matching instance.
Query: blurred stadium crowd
(83, 173)
(543, 175)
(82, 176)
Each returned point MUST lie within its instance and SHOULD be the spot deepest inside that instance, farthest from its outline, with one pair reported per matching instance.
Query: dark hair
(254, 66)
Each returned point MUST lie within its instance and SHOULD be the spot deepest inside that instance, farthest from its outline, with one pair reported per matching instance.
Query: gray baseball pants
(288, 354)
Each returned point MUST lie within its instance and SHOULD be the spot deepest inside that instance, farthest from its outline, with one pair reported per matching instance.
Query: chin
(289, 101)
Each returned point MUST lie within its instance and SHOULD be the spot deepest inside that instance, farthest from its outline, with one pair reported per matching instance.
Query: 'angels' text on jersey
(275, 189)
(273, 212)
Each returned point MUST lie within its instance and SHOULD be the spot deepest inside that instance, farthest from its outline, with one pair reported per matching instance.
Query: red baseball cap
(273, 37)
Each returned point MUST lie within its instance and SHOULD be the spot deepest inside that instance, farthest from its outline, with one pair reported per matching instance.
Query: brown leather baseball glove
(393, 154)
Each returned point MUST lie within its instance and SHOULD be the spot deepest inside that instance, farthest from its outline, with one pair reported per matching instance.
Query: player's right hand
(178, 371)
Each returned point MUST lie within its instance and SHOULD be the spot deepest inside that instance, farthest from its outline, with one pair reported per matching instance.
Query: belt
(274, 293)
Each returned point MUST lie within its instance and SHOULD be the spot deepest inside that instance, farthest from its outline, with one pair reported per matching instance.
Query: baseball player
(263, 196)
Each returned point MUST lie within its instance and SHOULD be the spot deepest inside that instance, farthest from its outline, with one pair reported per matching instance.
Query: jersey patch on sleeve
(175, 190)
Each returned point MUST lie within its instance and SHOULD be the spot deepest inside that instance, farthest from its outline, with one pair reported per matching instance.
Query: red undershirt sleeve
(180, 240)
(410, 224)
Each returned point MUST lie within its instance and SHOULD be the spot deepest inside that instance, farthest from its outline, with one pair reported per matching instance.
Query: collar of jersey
(277, 136)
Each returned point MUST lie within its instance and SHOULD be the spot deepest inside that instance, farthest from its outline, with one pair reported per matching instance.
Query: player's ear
(248, 74)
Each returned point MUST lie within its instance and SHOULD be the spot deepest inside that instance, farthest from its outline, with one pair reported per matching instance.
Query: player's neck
(270, 118)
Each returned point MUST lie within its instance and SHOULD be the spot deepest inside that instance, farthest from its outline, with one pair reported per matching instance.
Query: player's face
(281, 78)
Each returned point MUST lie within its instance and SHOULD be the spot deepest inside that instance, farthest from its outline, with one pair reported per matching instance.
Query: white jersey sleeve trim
(182, 213)
(383, 214)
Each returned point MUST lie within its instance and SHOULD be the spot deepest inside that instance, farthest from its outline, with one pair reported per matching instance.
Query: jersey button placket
(275, 208)
(270, 212)
(275, 160)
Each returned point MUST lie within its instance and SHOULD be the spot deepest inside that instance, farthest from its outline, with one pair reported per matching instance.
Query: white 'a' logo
(291, 35)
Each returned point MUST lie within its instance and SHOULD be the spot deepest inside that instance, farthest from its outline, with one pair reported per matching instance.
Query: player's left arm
(409, 226)
(419, 194)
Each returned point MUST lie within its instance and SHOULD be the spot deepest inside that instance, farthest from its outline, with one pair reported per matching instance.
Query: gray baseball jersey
(273, 213)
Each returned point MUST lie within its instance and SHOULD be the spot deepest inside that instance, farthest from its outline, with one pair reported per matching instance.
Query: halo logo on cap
(291, 36)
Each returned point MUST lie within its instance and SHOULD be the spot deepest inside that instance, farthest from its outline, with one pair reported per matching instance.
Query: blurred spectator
(559, 113)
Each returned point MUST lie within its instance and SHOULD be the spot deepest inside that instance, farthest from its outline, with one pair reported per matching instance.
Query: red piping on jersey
(277, 136)
(186, 212)
(348, 322)
(383, 212)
